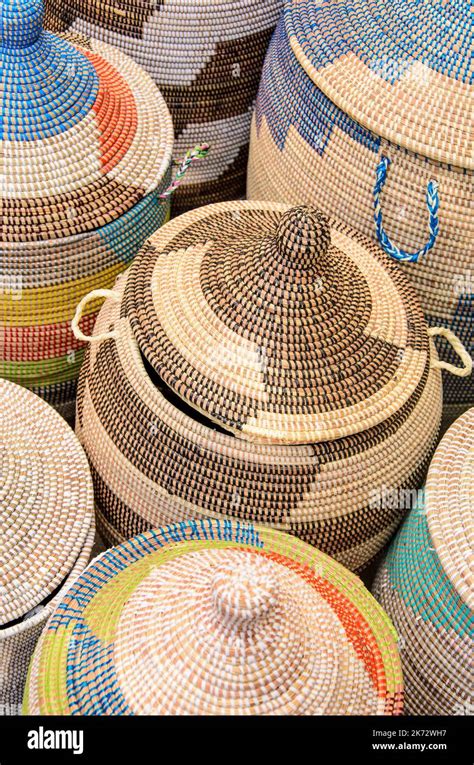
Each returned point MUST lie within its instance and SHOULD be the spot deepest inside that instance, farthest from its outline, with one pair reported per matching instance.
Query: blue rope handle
(432, 203)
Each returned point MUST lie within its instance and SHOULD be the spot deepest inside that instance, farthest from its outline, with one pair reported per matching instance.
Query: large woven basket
(255, 363)
(46, 527)
(86, 142)
(213, 617)
(426, 582)
(365, 108)
(206, 57)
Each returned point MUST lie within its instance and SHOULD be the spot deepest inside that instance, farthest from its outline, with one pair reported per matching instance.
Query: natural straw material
(86, 147)
(362, 112)
(206, 57)
(218, 618)
(222, 303)
(426, 582)
(46, 524)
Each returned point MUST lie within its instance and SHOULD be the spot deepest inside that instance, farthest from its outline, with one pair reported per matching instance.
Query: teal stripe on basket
(416, 574)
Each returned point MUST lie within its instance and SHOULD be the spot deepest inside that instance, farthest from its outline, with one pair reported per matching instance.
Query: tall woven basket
(47, 527)
(206, 57)
(217, 618)
(256, 363)
(86, 143)
(365, 108)
(426, 582)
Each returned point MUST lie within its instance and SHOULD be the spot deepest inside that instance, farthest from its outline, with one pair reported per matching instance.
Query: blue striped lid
(401, 68)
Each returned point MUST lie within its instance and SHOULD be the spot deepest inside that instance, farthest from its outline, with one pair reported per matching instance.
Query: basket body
(18, 642)
(206, 58)
(304, 149)
(435, 626)
(153, 463)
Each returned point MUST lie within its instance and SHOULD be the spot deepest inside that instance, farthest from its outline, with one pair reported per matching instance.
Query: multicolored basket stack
(206, 57)
(255, 363)
(426, 582)
(46, 527)
(217, 618)
(365, 108)
(86, 141)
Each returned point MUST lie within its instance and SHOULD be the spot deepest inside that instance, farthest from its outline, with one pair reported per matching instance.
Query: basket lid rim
(381, 62)
(46, 501)
(253, 339)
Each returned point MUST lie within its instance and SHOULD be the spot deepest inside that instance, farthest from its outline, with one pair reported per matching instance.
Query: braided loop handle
(116, 296)
(432, 203)
(192, 155)
(458, 347)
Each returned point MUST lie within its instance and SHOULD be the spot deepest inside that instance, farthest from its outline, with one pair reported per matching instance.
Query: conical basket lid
(275, 325)
(401, 68)
(217, 618)
(46, 501)
(85, 132)
(450, 505)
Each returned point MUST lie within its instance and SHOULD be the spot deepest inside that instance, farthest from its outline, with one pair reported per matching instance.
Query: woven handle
(192, 155)
(432, 203)
(458, 347)
(80, 310)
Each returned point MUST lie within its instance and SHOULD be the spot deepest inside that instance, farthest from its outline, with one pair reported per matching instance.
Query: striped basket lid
(401, 68)
(46, 501)
(274, 325)
(216, 617)
(450, 505)
(85, 132)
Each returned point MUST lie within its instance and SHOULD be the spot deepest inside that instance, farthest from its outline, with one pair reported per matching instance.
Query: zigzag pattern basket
(181, 405)
(426, 582)
(47, 527)
(361, 111)
(213, 617)
(206, 58)
(86, 142)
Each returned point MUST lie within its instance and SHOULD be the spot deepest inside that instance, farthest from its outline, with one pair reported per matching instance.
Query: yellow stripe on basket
(52, 305)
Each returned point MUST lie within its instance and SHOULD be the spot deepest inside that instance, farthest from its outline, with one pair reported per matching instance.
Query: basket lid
(85, 132)
(210, 617)
(46, 501)
(401, 68)
(450, 505)
(274, 325)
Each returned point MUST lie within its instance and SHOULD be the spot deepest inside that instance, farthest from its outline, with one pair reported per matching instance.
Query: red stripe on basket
(44, 342)
(357, 629)
(116, 113)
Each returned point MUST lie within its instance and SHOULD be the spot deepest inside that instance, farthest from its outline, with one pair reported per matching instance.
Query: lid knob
(244, 592)
(21, 22)
(303, 235)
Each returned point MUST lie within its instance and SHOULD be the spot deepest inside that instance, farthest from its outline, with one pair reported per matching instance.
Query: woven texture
(361, 111)
(86, 145)
(156, 459)
(47, 525)
(211, 617)
(426, 582)
(206, 57)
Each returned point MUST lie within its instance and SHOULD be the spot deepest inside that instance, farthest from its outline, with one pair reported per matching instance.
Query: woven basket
(47, 527)
(206, 57)
(213, 617)
(426, 582)
(86, 149)
(362, 111)
(255, 363)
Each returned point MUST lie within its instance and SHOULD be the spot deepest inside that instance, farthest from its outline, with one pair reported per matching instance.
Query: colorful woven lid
(450, 505)
(214, 617)
(85, 132)
(46, 501)
(401, 68)
(275, 325)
